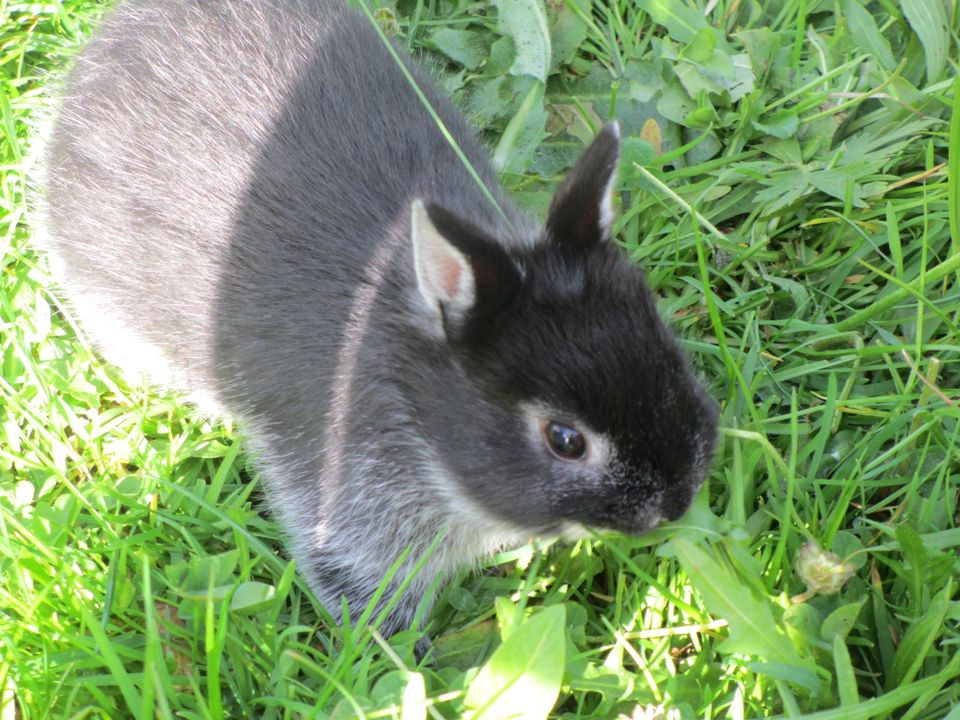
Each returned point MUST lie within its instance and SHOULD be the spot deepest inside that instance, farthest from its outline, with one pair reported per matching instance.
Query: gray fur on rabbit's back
(227, 201)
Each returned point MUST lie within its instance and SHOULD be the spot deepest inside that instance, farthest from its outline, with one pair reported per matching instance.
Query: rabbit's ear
(582, 208)
(463, 274)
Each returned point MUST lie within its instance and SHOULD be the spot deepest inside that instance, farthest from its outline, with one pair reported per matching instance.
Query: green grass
(790, 185)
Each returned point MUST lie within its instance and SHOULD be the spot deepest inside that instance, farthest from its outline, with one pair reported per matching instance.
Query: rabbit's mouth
(635, 526)
(581, 528)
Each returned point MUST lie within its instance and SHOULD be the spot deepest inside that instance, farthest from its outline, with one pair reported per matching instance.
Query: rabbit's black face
(580, 388)
(618, 431)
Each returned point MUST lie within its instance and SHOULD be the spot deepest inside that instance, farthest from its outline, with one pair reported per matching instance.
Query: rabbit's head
(578, 406)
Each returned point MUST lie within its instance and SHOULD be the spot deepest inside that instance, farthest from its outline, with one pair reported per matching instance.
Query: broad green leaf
(681, 22)
(849, 547)
(846, 678)
(495, 101)
(487, 98)
(918, 640)
(837, 184)
(252, 597)
(782, 189)
(462, 648)
(839, 623)
(602, 680)
(801, 676)
(526, 22)
(674, 103)
(799, 293)
(928, 18)
(634, 151)
(462, 46)
(709, 66)
(753, 629)
(783, 124)
(507, 618)
(697, 523)
(461, 598)
(567, 32)
(523, 135)
(700, 49)
(743, 81)
(929, 568)
(786, 151)
(867, 35)
(194, 575)
(645, 81)
(522, 678)
(761, 45)
(609, 684)
(914, 553)
(802, 622)
(696, 81)
(555, 155)
(502, 55)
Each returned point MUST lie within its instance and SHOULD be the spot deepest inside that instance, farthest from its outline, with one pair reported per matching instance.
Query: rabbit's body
(230, 194)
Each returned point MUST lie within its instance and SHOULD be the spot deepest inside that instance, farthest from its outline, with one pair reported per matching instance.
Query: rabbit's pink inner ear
(444, 275)
(449, 275)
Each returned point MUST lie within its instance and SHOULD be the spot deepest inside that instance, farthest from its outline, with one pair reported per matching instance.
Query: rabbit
(247, 201)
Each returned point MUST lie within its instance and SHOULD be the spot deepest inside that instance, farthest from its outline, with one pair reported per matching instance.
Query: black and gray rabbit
(247, 201)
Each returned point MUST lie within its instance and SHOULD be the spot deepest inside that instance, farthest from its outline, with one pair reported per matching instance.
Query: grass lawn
(791, 183)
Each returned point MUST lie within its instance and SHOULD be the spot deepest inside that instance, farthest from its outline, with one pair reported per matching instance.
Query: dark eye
(565, 442)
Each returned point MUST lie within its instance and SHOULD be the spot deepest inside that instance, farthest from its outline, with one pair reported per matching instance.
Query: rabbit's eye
(565, 442)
